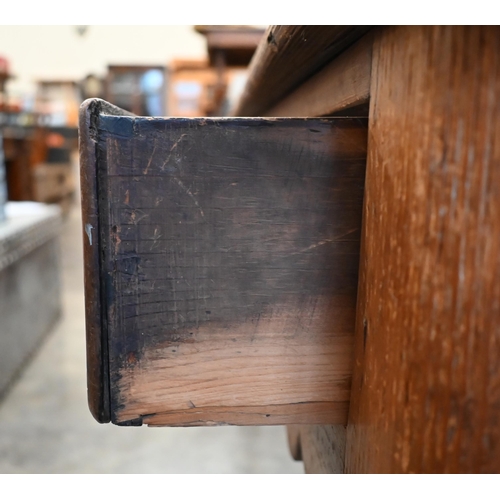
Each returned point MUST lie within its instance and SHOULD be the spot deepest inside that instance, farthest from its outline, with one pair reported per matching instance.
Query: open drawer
(221, 266)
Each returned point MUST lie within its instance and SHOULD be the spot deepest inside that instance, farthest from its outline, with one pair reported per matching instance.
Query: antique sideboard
(332, 265)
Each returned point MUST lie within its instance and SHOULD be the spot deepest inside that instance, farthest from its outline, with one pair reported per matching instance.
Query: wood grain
(96, 339)
(339, 86)
(287, 56)
(426, 384)
(229, 258)
(323, 448)
(342, 84)
(301, 413)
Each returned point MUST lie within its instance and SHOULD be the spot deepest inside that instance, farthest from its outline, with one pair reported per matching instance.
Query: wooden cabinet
(190, 90)
(38, 164)
(413, 385)
(138, 89)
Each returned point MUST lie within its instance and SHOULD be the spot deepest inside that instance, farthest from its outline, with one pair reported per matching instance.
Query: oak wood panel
(426, 385)
(300, 413)
(228, 282)
(287, 56)
(342, 84)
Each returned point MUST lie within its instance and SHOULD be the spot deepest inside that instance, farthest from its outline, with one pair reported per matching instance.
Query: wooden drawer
(221, 267)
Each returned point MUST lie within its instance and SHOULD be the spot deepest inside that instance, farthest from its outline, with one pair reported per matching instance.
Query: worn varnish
(426, 383)
(224, 258)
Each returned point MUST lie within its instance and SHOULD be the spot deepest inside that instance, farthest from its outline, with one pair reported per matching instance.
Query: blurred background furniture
(30, 301)
(30, 298)
(189, 88)
(4, 108)
(138, 89)
(39, 146)
(57, 102)
(230, 50)
(39, 164)
(211, 86)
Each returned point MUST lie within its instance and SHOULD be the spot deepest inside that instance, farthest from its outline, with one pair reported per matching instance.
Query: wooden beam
(426, 386)
(287, 56)
(342, 84)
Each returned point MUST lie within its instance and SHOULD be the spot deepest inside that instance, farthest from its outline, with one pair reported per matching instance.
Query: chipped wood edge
(97, 349)
(97, 370)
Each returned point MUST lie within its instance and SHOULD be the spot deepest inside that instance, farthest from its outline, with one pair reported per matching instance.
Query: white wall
(58, 52)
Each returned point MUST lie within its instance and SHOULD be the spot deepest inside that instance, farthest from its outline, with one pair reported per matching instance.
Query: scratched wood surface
(426, 383)
(229, 261)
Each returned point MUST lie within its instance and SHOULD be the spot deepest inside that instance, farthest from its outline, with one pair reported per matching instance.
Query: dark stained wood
(286, 57)
(97, 357)
(425, 393)
(344, 83)
(228, 254)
